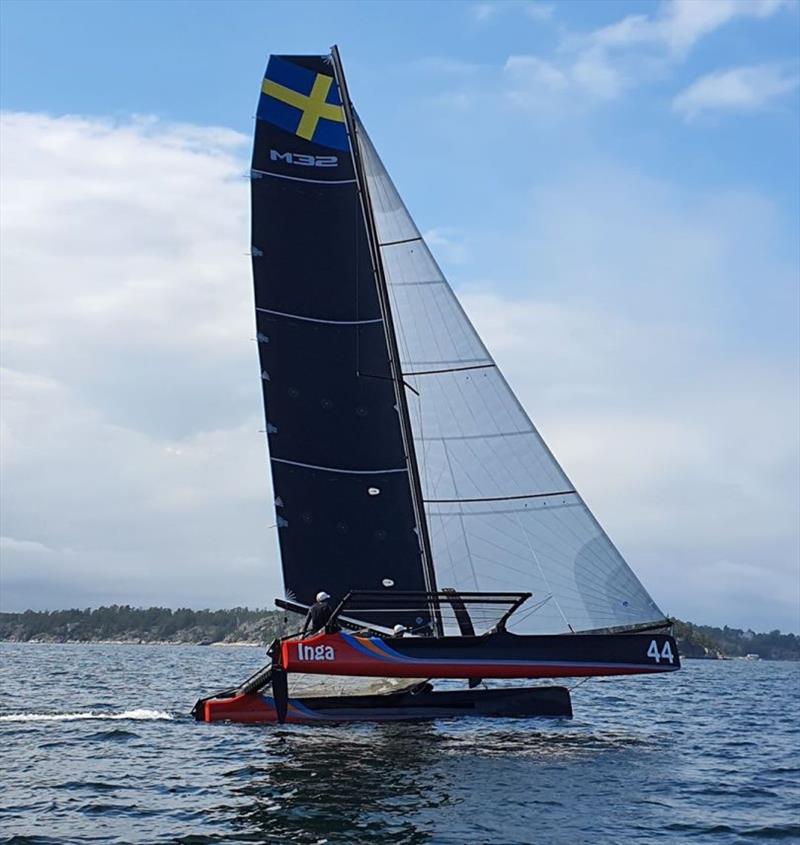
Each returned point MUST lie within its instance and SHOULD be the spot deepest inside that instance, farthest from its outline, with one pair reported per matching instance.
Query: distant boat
(409, 482)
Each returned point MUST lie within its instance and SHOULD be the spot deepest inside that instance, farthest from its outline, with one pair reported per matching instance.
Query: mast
(391, 339)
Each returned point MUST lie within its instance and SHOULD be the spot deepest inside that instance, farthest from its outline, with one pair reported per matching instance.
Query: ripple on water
(89, 785)
(112, 735)
(773, 832)
(707, 755)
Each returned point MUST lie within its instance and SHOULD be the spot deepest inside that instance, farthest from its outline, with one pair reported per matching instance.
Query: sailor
(399, 630)
(318, 614)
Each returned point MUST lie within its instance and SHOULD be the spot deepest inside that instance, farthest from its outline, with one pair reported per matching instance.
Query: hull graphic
(497, 655)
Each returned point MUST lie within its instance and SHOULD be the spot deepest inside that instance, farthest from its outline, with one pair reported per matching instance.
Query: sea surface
(97, 746)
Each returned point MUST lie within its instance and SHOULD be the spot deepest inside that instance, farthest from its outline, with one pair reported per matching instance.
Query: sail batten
(340, 469)
(257, 174)
(449, 370)
(501, 511)
(319, 319)
(503, 498)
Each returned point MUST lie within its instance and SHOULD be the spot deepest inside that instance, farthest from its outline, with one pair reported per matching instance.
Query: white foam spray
(133, 715)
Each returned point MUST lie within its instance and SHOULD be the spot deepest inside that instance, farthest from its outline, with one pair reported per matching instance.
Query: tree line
(735, 642)
(137, 624)
(241, 624)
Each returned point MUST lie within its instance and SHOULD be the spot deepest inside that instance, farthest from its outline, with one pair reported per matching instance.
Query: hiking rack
(390, 602)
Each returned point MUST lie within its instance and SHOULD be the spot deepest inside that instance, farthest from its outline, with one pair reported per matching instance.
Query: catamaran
(409, 482)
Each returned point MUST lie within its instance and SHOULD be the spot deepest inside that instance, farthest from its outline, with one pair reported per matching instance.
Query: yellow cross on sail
(301, 101)
(313, 106)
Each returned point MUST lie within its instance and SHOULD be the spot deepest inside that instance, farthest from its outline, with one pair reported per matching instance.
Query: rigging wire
(531, 610)
(544, 577)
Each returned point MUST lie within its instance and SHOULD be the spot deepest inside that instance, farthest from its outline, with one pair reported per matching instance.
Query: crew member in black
(318, 614)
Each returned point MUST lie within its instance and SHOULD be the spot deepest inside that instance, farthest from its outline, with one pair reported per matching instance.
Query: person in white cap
(399, 630)
(318, 614)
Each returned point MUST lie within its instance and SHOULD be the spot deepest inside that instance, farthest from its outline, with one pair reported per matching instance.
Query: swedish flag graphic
(303, 102)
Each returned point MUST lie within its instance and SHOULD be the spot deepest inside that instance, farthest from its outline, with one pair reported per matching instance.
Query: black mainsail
(341, 477)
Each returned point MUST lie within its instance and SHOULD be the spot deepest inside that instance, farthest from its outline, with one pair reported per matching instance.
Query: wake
(132, 715)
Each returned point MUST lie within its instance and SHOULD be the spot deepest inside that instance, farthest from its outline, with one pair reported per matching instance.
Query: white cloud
(132, 462)
(594, 74)
(537, 11)
(11, 544)
(587, 69)
(448, 243)
(533, 82)
(639, 46)
(536, 83)
(679, 24)
(739, 89)
(133, 469)
(540, 11)
(641, 355)
(536, 72)
(483, 11)
(603, 64)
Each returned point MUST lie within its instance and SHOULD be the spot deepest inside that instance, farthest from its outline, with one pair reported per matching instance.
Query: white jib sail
(501, 512)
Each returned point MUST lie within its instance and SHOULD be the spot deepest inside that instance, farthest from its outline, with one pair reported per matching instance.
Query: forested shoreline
(122, 623)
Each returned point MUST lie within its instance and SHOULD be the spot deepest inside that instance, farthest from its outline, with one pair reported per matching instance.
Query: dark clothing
(317, 617)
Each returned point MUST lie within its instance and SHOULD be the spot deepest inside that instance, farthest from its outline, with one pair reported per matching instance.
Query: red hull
(253, 708)
(495, 656)
(240, 708)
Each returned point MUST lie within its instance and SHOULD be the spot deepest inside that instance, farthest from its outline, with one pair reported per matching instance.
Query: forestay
(502, 514)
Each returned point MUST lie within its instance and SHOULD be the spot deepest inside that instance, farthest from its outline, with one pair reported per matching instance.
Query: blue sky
(615, 180)
(442, 74)
(195, 62)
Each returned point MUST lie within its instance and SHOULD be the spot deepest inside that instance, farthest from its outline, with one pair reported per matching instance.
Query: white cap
(322, 596)
(399, 629)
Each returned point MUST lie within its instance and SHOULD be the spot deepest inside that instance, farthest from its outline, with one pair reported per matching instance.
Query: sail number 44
(658, 656)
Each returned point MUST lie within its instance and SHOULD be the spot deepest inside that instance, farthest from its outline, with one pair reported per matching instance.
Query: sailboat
(409, 482)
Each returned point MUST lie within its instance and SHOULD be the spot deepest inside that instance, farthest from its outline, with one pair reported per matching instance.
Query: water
(97, 747)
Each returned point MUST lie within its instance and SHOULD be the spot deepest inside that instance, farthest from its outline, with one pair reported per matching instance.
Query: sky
(612, 188)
